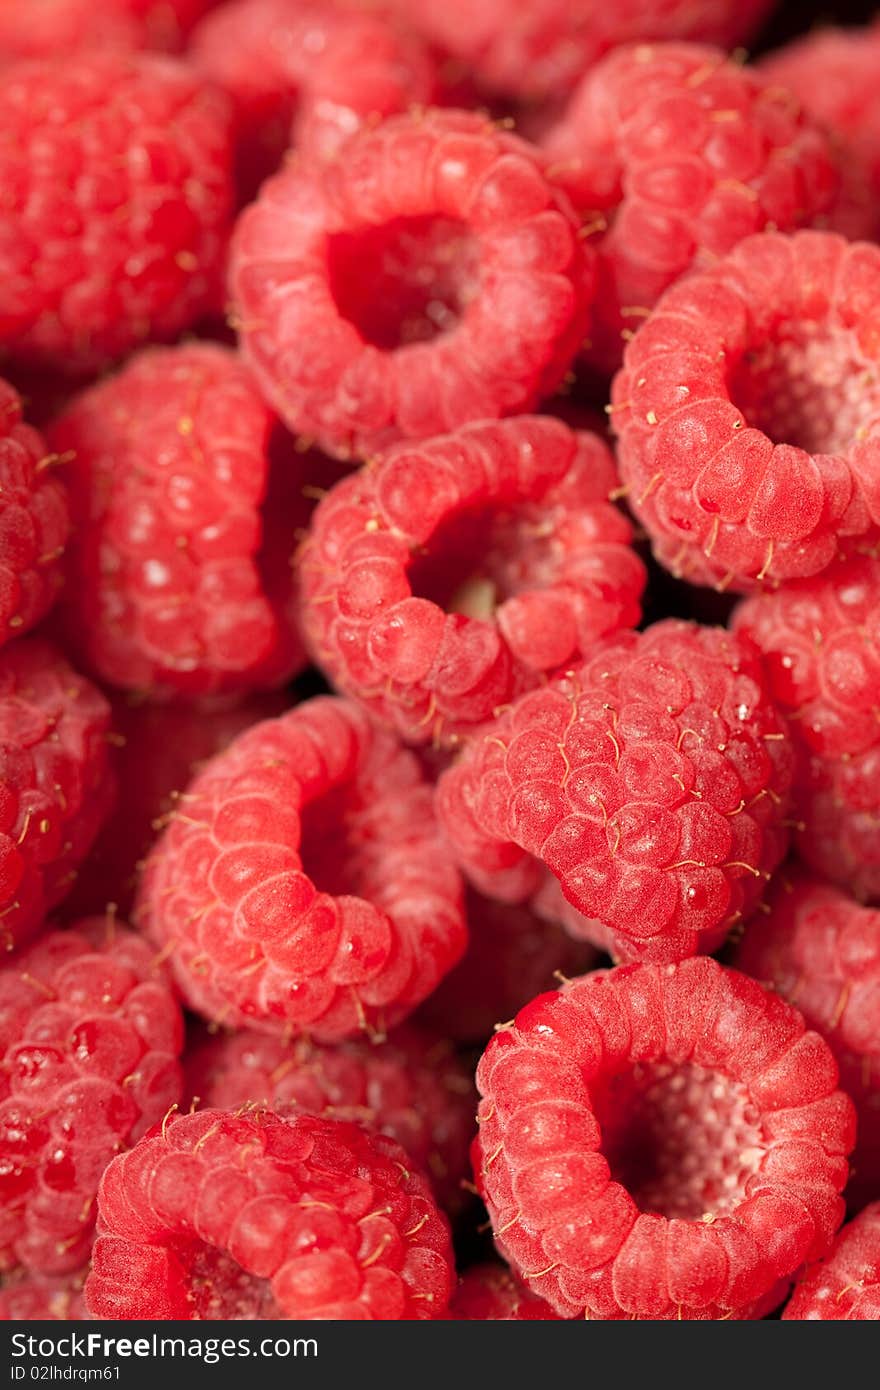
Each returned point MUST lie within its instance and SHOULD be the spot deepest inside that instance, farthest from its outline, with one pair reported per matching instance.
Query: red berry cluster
(439, 593)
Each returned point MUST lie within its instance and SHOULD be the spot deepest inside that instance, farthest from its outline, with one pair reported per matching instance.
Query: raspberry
(821, 951)
(451, 575)
(36, 1298)
(661, 1142)
(252, 1216)
(748, 411)
(431, 277)
(327, 69)
(512, 955)
(173, 584)
(117, 172)
(90, 1037)
(536, 49)
(491, 1293)
(304, 886)
(411, 1088)
(47, 28)
(833, 74)
(157, 750)
(844, 1287)
(675, 153)
(652, 781)
(821, 642)
(55, 781)
(34, 521)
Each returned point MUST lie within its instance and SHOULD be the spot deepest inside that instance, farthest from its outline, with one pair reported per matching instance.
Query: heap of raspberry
(118, 179)
(833, 74)
(748, 412)
(512, 955)
(48, 28)
(821, 642)
(492, 1293)
(40, 1298)
(661, 1142)
(845, 1286)
(252, 1216)
(156, 752)
(652, 781)
(821, 951)
(304, 885)
(431, 277)
(34, 521)
(411, 1088)
(55, 781)
(315, 71)
(674, 153)
(90, 1037)
(174, 583)
(447, 578)
(535, 49)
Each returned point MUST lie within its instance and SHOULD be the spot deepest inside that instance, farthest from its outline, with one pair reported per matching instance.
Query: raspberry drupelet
(251, 1216)
(820, 638)
(56, 785)
(412, 1088)
(661, 1142)
(748, 412)
(675, 152)
(313, 73)
(304, 885)
(535, 49)
(90, 1035)
(41, 1298)
(512, 955)
(48, 28)
(652, 781)
(833, 74)
(178, 572)
(491, 1293)
(431, 277)
(845, 1286)
(118, 171)
(821, 951)
(156, 751)
(448, 577)
(34, 521)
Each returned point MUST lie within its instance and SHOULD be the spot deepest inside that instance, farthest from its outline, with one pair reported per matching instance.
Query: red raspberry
(748, 411)
(491, 1293)
(449, 577)
(821, 951)
(845, 1286)
(833, 74)
(324, 69)
(55, 781)
(675, 152)
(431, 277)
(652, 781)
(157, 750)
(117, 171)
(536, 49)
(36, 1298)
(821, 642)
(47, 28)
(411, 1088)
(661, 1142)
(304, 887)
(512, 955)
(90, 1037)
(175, 584)
(34, 521)
(252, 1216)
